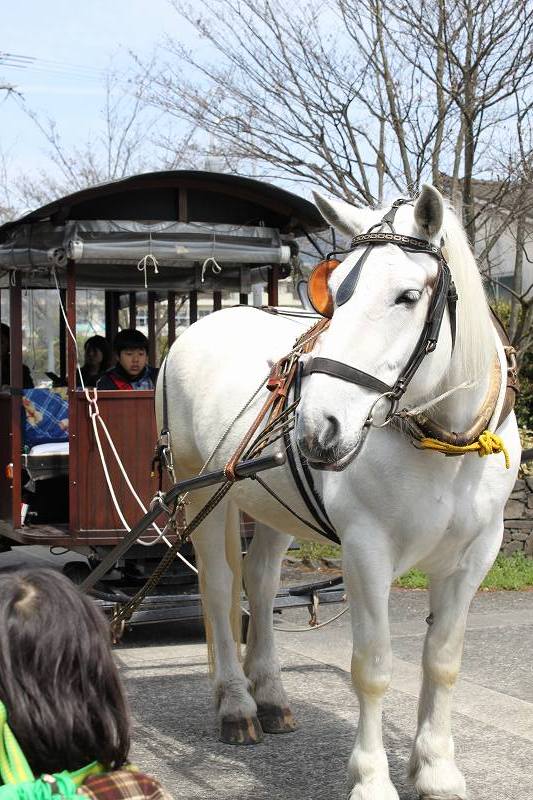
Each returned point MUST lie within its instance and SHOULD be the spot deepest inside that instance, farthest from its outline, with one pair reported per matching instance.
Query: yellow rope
(487, 444)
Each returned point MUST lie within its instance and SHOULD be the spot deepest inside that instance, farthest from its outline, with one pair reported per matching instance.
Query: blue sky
(75, 42)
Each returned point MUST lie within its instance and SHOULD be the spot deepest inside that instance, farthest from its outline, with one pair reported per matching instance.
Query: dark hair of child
(58, 679)
(99, 343)
(130, 338)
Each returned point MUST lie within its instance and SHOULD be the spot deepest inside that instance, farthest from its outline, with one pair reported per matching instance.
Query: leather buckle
(275, 383)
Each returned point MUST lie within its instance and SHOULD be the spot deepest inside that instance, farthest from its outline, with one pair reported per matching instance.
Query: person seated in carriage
(132, 370)
(98, 359)
(5, 366)
(64, 720)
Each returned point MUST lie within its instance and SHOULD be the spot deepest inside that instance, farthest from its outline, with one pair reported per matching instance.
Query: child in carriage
(64, 721)
(132, 370)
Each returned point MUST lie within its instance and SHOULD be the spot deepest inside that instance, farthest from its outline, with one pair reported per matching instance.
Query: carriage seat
(46, 461)
(45, 433)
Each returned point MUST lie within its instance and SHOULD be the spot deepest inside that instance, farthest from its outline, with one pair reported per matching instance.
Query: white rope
(142, 265)
(216, 269)
(215, 266)
(148, 260)
(69, 329)
(309, 628)
(96, 414)
(31, 317)
(412, 412)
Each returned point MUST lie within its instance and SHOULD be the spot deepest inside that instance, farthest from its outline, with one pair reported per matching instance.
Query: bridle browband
(443, 294)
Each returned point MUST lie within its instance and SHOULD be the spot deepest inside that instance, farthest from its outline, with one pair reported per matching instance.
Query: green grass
(414, 579)
(316, 551)
(510, 573)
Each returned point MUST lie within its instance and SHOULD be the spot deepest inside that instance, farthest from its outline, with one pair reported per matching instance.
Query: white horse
(393, 505)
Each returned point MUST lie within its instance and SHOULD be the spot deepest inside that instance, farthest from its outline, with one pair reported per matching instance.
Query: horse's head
(381, 297)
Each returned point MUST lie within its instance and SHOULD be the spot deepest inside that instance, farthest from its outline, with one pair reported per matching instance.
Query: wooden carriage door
(130, 419)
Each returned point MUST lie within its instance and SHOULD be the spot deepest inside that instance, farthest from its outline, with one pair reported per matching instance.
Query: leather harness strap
(513, 384)
(279, 382)
(303, 478)
(337, 369)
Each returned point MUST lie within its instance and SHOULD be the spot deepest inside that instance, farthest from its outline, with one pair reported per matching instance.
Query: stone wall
(518, 534)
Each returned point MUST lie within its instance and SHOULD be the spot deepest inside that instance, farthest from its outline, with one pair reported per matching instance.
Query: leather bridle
(444, 293)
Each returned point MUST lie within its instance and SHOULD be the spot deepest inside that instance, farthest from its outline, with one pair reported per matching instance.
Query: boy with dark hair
(131, 370)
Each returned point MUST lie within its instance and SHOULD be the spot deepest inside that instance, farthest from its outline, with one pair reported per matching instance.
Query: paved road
(175, 729)
(175, 732)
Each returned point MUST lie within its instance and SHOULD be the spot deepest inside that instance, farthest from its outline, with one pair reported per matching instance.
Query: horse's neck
(458, 411)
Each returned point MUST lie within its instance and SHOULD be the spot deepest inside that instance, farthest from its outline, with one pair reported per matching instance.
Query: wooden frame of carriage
(96, 238)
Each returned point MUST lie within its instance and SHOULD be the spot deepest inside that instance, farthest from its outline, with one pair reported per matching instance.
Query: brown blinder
(318, 289)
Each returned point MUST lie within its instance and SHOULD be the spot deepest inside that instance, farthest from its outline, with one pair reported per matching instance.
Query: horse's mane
(475, 335)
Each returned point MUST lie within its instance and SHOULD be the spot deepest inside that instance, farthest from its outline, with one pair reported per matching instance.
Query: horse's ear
(344, 217)
(429, 211)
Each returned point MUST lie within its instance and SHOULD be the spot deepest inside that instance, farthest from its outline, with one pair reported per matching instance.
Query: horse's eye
(409, 298)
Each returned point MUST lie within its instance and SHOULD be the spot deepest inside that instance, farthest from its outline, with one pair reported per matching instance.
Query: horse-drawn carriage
(155, 243)
(386, 402)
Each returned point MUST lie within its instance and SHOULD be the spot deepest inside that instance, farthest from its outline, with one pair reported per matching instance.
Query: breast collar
(444, 293)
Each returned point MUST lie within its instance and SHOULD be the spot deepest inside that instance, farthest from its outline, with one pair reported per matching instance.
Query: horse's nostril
(331, 430)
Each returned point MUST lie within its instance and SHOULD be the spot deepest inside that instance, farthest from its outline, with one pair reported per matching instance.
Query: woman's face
(93, 357)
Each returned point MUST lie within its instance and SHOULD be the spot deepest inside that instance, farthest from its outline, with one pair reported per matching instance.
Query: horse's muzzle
(324, 449)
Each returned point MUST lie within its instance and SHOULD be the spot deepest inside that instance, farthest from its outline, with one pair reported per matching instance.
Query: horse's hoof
(244, 731)
(275, 719)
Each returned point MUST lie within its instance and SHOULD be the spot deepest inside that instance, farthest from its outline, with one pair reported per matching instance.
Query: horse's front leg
(367, 575)
(433, 769)
(218, 551)
(261, 579)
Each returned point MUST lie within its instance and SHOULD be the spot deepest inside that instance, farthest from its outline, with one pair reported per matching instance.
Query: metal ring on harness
(158, 498)
(394, 400)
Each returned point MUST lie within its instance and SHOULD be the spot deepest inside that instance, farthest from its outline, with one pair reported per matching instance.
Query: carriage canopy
(181, 218)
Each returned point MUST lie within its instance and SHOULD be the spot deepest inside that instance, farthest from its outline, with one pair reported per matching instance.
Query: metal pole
(152, 344)
(193, 307)
(171, 318)
(15, 366)
(62, 337)
(245, 469)
(273, 277)
(133, 309)
(72, 404)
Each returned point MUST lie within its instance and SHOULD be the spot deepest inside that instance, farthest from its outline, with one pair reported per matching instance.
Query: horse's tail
(233, 554)
(234, 559)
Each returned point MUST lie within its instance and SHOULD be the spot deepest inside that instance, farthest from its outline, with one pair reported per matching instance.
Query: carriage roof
(181, 217)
